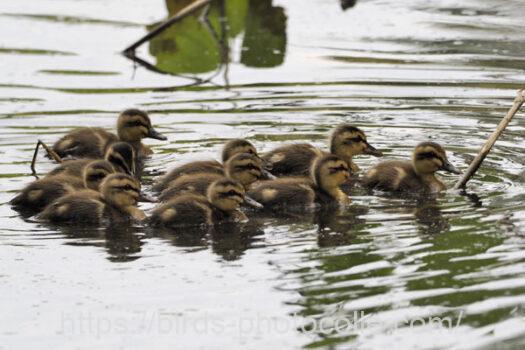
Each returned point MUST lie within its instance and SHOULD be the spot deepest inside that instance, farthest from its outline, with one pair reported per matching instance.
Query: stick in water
(474, 166)
(52, 154)
(186, 11)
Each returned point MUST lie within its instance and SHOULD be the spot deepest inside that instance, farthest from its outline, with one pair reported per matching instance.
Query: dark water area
(371, 277)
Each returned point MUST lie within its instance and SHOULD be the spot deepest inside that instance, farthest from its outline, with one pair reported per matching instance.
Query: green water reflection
(200, 44)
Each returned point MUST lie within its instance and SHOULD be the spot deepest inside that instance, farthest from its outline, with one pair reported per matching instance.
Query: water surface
(273, 72)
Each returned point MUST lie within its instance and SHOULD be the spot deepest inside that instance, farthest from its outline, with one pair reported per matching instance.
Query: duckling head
(95, 172)
(237, 146)
(348, 141)
(329, 172)
(245, 168)
(134, 125)
(120, 190)
(122, 156)
(430, 157)
(226, 194)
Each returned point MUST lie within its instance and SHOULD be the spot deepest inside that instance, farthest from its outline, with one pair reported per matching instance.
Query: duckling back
(393, 176)
(209, 167)
(85, 207)
(84, 143)
(292, 160)
(40, 193)
(183, 210)
(285, 193)
(197, 183)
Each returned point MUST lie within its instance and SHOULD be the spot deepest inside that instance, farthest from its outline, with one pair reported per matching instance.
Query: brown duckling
(243, 167)
(132, 126)
(40, 193)
(417, 175)
(221, 204)
(346, 142)
(231, 148)
(328, 173)
(115, 202)
(120, 155)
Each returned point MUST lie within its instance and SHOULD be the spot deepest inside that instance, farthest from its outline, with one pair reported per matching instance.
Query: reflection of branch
(188, 10)
(223, 43)
(153, 68)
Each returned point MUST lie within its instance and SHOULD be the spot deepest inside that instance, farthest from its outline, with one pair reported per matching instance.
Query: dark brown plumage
(231, 148)
(116, 202)
(413, 176)
(346, 142)
(132, 126)
(328, 173)
(221, 204)
(243, 167)
(119, 155)
(40, 193)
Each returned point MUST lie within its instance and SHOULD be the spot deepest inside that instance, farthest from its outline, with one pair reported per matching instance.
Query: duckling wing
(40, 193)
(184, 210)
(292, 160)
(81, 208)
(73, 167)
(84, 143)
(392, 176)
(287, 193)
(189, 183)
(209, 167)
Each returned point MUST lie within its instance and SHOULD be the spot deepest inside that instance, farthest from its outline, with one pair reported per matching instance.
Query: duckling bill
(417, 175)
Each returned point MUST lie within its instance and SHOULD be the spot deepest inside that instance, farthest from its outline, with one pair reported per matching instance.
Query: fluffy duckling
(242, 167)
(221, 204)
(115, 202)
(132, 126)
(120, 155)
(328, 173)
(231, 148)
(346, 142)
(417, 175)
(40, 193)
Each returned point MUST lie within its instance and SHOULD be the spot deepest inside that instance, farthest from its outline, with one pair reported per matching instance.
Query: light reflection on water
(404, 72)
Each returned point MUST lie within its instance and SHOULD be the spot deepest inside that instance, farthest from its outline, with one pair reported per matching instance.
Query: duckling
(243, 167)
(417, 175)
(346, 142)
(40, 193)
(132, 126)
(120, 155)
(328, 173)
(221, 204)
(231, 148)
(116, 202)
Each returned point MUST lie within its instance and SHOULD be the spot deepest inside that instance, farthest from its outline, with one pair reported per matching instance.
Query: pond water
(381, 274)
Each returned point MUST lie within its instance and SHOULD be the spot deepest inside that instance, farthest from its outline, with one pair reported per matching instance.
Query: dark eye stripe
(248, 166)
(136, 123)
(428, 155)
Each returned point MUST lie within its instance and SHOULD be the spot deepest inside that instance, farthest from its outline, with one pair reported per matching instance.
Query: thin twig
(186, 11)
(52, 154)
(476, 163)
